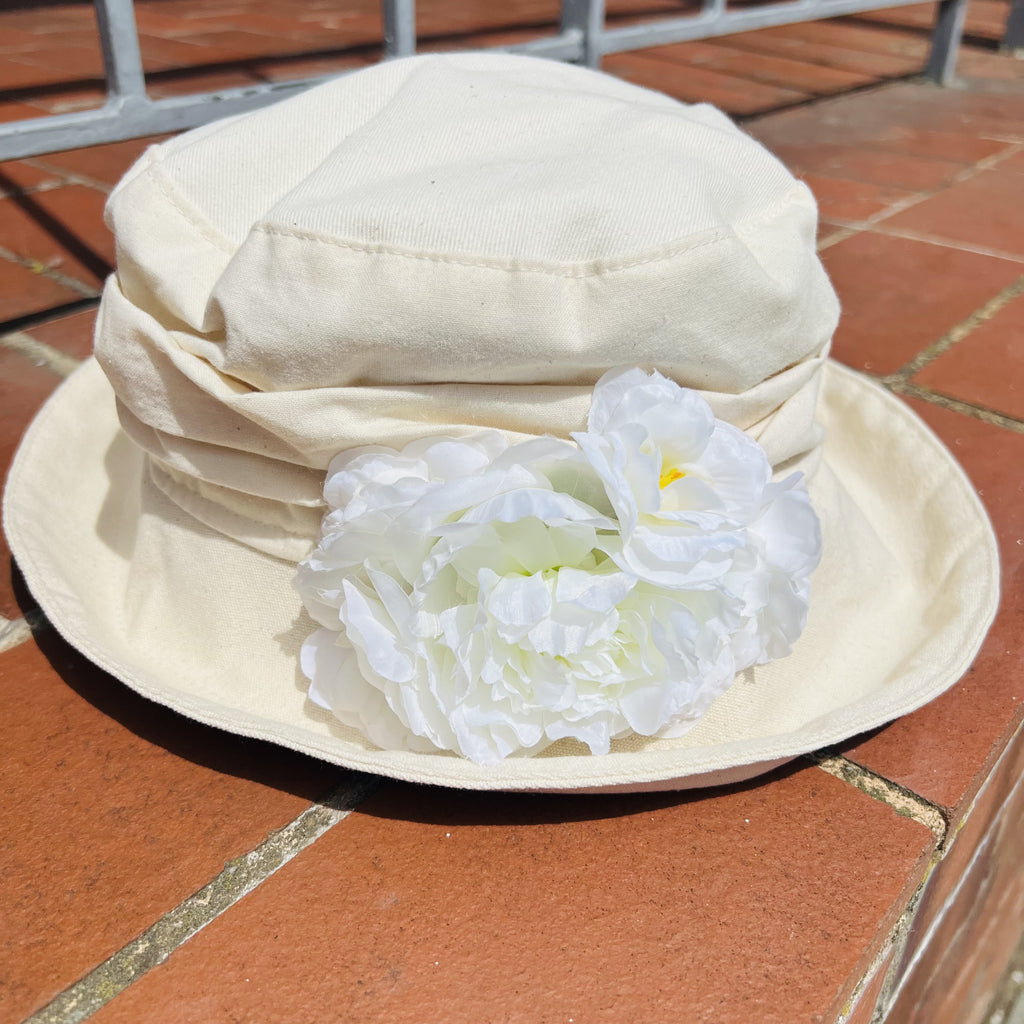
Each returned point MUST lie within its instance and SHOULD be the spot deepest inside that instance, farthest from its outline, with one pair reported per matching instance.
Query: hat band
(276, 528)
(283, 518)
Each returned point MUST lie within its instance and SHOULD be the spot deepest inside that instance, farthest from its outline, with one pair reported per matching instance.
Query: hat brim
(906, 591)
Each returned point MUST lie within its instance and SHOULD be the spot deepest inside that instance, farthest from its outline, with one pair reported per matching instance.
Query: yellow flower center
(670, 476)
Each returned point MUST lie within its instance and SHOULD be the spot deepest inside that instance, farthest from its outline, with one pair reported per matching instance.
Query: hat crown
(442, 243)
(510, 161)
(479, 218)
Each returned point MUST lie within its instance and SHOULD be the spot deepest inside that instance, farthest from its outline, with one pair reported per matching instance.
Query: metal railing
(582, 38)
(1013, 39)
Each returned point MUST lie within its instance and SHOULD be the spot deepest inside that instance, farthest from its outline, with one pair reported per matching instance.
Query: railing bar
(567, 46)
(119, 41)
(1013, 37)
(585, 18)
(117, 120)
(701, 26)
(399, 27)
(949, 27)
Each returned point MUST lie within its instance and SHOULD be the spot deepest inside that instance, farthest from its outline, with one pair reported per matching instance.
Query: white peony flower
(491, 600)
(697, 509)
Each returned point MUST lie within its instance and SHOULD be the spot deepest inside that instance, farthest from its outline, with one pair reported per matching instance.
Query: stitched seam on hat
(184, 208)
(209, 232)
(592, 268)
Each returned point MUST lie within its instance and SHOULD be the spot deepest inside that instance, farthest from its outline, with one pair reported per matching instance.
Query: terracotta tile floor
(884, 874)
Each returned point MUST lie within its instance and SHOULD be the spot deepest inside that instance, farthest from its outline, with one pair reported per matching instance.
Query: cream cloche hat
(466, 247)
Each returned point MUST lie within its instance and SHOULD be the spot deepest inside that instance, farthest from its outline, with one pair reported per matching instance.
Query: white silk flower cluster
(491, 599)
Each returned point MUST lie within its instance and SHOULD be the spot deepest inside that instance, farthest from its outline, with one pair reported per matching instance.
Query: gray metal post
(119, 39)
(1013, 38)
(949, 27)
(399, 27)
(585, 19)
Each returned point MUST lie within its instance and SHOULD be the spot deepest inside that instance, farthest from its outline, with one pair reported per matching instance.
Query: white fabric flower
(697, 509)
(491, 600)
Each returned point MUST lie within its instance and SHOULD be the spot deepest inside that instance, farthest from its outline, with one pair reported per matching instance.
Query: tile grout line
(957, 333)
(13, 632)
(71, 283)
(903, 801)
(31, 190)
(853, 227)
(893, 987)
(899, 936)
(70, 177)
(907, 804)
(239, 877)
(900, 382)
(978, 412)
(881, 228)
(246, 872)
(847, 230)
(40, 353)
(892, 947)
